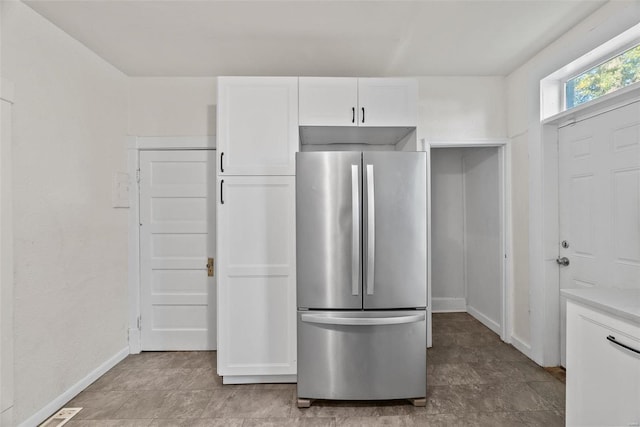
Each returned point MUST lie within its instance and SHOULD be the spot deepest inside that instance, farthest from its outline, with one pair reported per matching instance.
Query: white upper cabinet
(386, 102)
(257, 125)
(328, 101)
(364, 102)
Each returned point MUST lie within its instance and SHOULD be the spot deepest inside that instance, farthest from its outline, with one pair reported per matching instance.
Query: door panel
(603, 379)
(328, 101)
(329, 251)
(599, 193)
(257, 125)
(395, 231)
(256, 270)
(382, 355)
(387, 102)
(177, 235)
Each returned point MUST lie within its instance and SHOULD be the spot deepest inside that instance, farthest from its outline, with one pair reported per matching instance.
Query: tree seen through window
(607, 77)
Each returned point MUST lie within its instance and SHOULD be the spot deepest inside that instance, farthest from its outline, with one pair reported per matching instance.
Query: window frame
(593, 64)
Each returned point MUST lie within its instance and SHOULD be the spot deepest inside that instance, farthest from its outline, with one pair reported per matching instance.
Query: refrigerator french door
(361, 272)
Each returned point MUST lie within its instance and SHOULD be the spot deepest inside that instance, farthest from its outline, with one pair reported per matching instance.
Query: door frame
(134, 145)
(6, 250)
(504, 154)
(545, 326)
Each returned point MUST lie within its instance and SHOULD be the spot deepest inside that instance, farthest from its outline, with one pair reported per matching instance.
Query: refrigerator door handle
(355, 234)
(362, 321)
(371, 230)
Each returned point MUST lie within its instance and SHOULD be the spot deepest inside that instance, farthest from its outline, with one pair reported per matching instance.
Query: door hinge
(137, 175)
(139, 323)
(210, 267)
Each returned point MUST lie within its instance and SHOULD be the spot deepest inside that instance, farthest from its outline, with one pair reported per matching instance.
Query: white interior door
(177, 236)
(600, 203)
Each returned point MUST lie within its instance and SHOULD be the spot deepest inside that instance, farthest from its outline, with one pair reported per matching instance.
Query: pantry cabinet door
(328, 101)
(256, 276)
(257, 125)
(387, 102)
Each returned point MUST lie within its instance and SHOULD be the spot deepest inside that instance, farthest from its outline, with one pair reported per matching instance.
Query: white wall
(70, 246)
(6, 257)
(447, 231)
(450, 108)
(461, 108)
(172, 106)
(483, 234)
(520, 242)
(523, 105)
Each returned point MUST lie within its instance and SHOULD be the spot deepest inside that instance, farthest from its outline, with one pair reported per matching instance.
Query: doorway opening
(468, 233)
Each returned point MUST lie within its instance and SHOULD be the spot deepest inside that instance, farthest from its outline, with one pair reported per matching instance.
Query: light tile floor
(473, 378)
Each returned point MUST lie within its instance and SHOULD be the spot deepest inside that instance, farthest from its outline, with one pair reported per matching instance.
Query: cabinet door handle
(362, 114)
(221, 165)
(221, 187)
(613, 340)
(353, 114)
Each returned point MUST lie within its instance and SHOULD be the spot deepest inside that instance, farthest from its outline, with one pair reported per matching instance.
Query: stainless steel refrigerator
(361, 275)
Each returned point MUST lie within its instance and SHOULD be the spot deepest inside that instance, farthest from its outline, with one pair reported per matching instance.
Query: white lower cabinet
(256, 278)
(603, 377)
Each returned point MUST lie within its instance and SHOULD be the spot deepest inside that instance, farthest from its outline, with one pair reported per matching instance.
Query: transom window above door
(615, 73)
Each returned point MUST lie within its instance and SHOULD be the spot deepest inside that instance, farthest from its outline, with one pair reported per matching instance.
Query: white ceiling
(333, 38)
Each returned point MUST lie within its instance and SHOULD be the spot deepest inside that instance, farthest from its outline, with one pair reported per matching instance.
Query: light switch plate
(120, 190)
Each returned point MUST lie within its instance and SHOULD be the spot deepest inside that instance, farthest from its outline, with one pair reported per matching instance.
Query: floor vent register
(61, 417)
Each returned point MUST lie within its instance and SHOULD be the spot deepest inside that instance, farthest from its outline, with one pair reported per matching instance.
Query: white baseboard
(521, 346)
(494, 326)
(6, 418)
(258, 379)
(448, 305)
(74, 390)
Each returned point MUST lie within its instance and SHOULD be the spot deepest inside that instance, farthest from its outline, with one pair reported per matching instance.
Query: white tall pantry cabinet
(257, 138)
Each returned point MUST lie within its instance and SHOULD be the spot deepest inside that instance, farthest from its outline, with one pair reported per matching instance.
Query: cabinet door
(257, 125)
(603, 378)
(387, 102)
(256, 276)
(328, 101)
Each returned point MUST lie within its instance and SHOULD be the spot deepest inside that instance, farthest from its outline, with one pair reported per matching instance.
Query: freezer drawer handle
(371, 230)
(616, 342)
(355, 234)
(362, 321)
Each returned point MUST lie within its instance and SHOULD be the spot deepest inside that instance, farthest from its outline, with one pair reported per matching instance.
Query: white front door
(177, 236)
(600, 203)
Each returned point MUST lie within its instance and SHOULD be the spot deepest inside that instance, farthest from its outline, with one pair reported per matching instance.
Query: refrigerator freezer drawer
(362, 355)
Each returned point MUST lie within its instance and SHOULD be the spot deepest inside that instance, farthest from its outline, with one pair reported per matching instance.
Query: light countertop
(624, 303)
